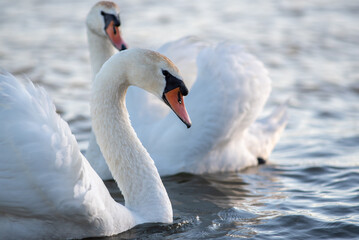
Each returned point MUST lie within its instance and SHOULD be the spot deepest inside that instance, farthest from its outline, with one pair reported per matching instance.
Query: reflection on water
(309, 189)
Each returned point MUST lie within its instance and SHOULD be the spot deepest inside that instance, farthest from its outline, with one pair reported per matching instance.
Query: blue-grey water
(309, 189)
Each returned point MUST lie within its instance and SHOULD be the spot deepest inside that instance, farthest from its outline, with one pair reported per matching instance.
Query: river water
(309, 189)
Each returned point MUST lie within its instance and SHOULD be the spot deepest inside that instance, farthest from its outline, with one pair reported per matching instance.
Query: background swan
(233, 84)
(48, 190)
(100, 24)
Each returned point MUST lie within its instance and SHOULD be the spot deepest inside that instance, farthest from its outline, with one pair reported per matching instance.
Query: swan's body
(231, 88)
(48, 190)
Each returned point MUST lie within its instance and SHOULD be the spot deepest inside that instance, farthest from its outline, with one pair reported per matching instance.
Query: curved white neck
(129, 162)
(101, 50)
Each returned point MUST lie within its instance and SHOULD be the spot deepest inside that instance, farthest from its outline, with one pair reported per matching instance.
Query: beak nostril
(179, 98)
(114, 29)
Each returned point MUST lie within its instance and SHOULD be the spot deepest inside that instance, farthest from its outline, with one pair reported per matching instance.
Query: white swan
(228, 81)
(48, 190)
(103, 34)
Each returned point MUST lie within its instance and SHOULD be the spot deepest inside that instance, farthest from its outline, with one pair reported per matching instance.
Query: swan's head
(158, 75)
(104, 20)
(150, 71)
(173, 93)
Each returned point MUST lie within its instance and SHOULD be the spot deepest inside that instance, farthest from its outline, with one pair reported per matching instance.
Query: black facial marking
(108, 18)
(172, 82)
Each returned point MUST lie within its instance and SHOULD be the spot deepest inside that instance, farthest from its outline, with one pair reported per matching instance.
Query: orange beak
(174, 99)
(114, 34)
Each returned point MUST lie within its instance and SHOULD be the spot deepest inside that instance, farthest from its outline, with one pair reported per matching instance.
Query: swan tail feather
(264, 134)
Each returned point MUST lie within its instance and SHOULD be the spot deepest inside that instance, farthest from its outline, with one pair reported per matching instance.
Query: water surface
(309, 189)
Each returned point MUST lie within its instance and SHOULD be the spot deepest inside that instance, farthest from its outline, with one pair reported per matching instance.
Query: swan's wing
(264, 133)
(183, 52)
(46, 186)
(228, 95)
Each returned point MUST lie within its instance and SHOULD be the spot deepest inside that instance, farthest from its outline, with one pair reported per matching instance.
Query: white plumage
(229, 88)
(48, 189)
(227, 95)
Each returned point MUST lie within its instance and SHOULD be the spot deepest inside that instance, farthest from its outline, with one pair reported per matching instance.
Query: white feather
(48, 190)
(228, 89)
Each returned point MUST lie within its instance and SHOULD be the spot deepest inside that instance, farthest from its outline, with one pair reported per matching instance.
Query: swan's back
(183, 52)
(46, 187)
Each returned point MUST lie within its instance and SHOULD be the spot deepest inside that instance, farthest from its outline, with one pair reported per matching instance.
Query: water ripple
(309, 190)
